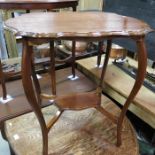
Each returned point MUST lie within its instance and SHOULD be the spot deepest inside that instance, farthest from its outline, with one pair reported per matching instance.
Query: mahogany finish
(85, 132)
(37, 4)
(77, 26)
(88, 26)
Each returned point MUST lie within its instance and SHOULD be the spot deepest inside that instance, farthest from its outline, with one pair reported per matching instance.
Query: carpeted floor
(4, 148)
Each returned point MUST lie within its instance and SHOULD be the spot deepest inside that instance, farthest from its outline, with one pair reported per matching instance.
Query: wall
(90, 5)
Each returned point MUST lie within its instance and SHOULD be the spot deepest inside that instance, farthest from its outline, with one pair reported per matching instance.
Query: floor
(4, 148)
(145, 149)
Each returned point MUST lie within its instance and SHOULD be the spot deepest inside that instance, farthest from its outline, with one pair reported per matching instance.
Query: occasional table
(88, 26)
(30, 5)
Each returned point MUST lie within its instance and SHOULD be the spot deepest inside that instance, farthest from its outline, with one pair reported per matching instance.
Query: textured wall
(141, 9)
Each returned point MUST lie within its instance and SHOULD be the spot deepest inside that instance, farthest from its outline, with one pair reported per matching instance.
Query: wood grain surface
(85, 132)
(76, 24)
(118, 85)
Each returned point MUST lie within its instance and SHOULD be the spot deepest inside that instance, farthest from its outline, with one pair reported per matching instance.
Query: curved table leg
(35, 79)
(142, 63)
(29, 91)
(107, 55)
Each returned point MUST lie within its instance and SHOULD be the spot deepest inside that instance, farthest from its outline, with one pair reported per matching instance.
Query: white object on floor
(100, 66)
(39, 76)
(8, 98)
(73, 78)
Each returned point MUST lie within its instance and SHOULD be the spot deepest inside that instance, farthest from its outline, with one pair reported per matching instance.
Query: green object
(146, 148)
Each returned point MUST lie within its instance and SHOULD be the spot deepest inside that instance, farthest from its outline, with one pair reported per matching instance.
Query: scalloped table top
(76, 25)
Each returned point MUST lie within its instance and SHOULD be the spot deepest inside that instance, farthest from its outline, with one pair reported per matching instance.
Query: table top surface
(76, 25)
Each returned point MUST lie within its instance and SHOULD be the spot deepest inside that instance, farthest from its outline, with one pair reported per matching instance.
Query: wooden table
(93, 27)
(31, 5)
(37, 4)
(76, 27)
